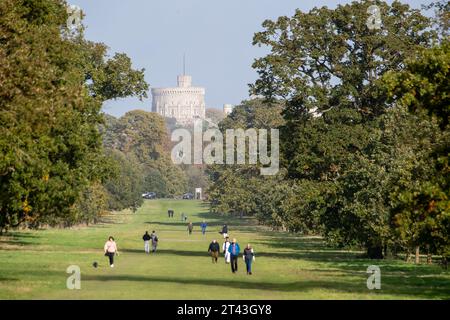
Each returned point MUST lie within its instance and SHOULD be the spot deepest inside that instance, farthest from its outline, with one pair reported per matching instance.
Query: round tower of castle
(184, 102)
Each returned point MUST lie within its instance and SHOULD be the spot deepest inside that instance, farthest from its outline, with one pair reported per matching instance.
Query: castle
(184, 102)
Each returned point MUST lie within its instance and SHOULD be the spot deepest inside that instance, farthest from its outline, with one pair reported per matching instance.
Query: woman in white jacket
(225, 247)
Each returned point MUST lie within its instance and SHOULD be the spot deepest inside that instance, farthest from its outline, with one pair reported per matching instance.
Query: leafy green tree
(240, 189)
(127, 184)
(50, 110)
(143, 135)
(421, 214)
(329, 58)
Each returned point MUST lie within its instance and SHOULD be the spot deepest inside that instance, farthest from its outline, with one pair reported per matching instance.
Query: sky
(216, 37)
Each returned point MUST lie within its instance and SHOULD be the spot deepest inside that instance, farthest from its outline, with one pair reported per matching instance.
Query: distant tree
(143, 136)
(215, 115)
(127, 184)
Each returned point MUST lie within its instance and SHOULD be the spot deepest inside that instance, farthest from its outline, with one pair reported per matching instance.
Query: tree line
(363, 116)
(62, 160)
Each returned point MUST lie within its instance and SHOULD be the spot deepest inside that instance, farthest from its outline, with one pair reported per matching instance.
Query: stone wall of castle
(184, 102)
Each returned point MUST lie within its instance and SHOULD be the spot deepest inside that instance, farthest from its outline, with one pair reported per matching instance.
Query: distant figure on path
(203, 226)
(190, 227)
(146, 237)
(225, 231)
(182, 216)
(154, 241)
(249, 257)
(214, 250)
(234, 254)
(170, 213)
(225, 247)
(110, 250)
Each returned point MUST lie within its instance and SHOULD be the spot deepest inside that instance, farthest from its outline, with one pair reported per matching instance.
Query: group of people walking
(231, 252)
(153, 238)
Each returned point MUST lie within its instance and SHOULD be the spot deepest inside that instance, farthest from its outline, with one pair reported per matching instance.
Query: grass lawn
(33, 263)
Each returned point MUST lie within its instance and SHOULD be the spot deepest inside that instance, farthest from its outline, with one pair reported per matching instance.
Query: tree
(126, 186)
(143, 136)
(329, 58)
(50, 112)
(239, 189)
(421, 213)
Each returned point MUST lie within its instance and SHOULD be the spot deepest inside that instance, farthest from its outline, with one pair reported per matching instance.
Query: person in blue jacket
(234, 250)
(203, 226)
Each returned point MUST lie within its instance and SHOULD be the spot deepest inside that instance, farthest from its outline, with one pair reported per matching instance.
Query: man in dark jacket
(214, 250)
(146, 237)
(225, 231)
(249, 257)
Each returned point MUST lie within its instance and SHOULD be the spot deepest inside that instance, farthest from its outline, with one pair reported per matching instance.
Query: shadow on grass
(18, 239)
(390, 286)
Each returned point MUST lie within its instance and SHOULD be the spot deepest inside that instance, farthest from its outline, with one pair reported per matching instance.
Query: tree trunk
(429, 257)
(375, 252)
(408, 256)
(445, 262)
(417, 255)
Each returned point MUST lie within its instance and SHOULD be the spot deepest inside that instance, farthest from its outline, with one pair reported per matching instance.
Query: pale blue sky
(215, 35)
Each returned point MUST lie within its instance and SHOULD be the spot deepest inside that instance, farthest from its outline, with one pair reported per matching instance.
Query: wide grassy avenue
(33, 263)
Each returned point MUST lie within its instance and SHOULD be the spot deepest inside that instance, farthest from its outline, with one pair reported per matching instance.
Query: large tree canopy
(329, 57)
(50, 110)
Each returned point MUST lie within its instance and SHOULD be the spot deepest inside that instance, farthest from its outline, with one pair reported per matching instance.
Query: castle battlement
(184, 102)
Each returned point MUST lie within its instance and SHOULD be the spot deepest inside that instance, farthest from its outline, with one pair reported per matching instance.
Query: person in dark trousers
(214, 250)
(110, 249)
(249, 257)
(203, 226)
(154, 241)
(146, 237)
(190, 228)
(170, 213)
(234, 254)
(225, 231)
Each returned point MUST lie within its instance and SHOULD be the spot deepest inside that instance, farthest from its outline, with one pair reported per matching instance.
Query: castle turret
(184, 102)
(184, 81)
(227, 109)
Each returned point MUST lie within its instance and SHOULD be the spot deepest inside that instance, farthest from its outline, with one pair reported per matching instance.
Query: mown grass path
(33, 263)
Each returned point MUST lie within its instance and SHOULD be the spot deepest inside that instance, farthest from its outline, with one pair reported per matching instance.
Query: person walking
(249, 258)
(155, 240)
(214, 250)
(190, 228)
(146, 237)
(203, 226)
(182, 216)
(225, 231)
(234, 254)
(110, 250)
(225, 247)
